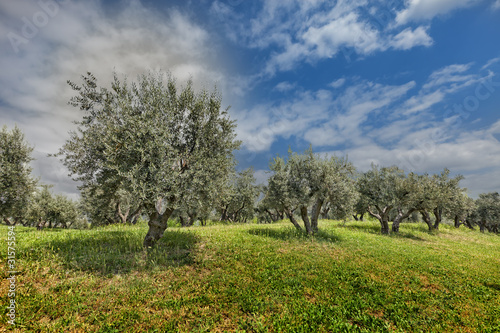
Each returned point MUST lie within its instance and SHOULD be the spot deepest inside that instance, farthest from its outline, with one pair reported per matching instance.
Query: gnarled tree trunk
(383, 217)
(469, 225)
(399, 218)
(157, 225)
(122, 215)
(427, 219)
(438, 215)
(305, 218)
(296, 224)
(316, 210)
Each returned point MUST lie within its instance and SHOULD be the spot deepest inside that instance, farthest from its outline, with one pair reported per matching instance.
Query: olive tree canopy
(152, 140)
(16, 182)
(306, 182)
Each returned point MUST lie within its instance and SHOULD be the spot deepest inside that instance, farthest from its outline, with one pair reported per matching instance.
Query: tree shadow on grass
(294, 234)
(408, 235)
(121, 252)
(368, 227)
(494, 286)
(375, 229)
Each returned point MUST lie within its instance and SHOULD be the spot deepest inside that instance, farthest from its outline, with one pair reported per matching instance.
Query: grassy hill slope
(256, 278)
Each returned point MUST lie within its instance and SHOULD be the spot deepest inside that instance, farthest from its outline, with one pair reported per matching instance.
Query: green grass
(256, 278)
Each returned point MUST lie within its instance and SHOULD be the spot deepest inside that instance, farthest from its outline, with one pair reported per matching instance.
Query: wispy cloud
(408, 39)
(417, 10)
(308, 31)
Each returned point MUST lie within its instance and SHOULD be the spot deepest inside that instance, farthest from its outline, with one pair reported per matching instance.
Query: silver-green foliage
(304, 183)
(16, 182)
(161, 144)
(390, 194)
(487, 213)
(237, 203)
(48, 210)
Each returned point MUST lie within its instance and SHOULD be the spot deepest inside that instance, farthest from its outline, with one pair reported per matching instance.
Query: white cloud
(261, 125)
(320, 117)
(353, 109)
(348, 31)
(417, 10)
(450, 74)
(308, 31)
(337, 83)
(442, 83)
(285, 86)
(422, 102)
(491, 61)
(81, 37)
(409, 38)
(496, 5)
(261, 176)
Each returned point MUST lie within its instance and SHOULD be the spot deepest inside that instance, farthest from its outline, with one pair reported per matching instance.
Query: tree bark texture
(316, 210)
(383, 217)
(399, 218)
(438, 212)
(427, 219)
(305, 218)
(296, 224)
(157, 226)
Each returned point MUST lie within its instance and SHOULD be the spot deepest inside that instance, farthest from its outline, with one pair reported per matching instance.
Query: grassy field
(255, 278)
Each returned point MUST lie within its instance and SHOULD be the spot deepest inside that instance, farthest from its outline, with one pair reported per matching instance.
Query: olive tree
(151, 139)
(237, 203)
(384, 190)
(51, 210)
(268, 211)
(439, 195)
(460, 210)
(104, 206)
(16, 182)
(446, 192)
(306, 182)
(487, 213)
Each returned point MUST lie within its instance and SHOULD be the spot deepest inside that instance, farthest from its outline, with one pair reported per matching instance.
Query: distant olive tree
(51, 210)
(239, 200)
(487, 212)
(152, 140)
(104, 206)
(439, 195)
(268, 210)
(385, 190)
(16, 183)
(305, 183)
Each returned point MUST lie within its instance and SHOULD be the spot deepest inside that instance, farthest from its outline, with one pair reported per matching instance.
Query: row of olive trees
(388, 194)
(308, 186)
(23, 199)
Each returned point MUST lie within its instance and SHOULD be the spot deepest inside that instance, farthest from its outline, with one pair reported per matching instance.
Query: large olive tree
(152, 140)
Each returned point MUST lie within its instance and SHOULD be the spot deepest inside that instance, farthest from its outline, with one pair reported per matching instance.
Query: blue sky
(412, 83)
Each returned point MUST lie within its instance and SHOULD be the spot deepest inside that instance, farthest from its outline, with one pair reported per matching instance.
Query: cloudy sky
(413, 83)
